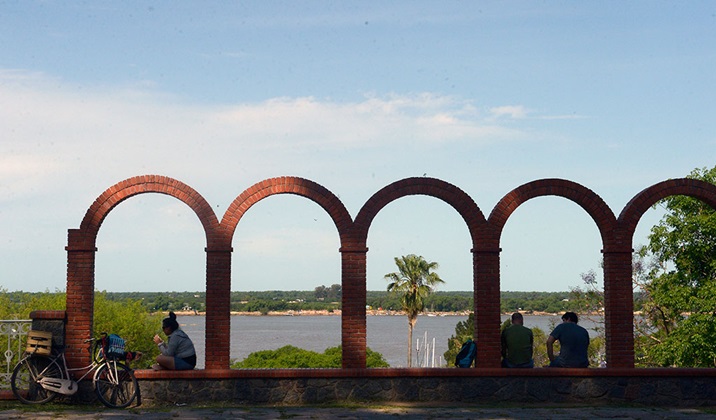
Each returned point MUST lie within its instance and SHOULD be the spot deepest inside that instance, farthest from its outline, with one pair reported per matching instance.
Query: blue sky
(616, 96)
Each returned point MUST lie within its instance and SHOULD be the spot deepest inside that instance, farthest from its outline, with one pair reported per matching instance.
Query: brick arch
(355, 263)
(351, 339)
(582, 196)
(287, 185)
(637, 206)
(123, 190)
(81, 250)
(618, 291)
(587, 199)
(450, 194)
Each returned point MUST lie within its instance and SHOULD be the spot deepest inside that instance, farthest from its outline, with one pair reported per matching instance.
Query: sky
(487, 96)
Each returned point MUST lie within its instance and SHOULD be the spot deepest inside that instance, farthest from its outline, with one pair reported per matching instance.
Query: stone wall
(652, 391)
(655, 387)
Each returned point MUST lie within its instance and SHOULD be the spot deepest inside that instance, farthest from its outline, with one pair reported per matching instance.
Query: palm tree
(415, 281)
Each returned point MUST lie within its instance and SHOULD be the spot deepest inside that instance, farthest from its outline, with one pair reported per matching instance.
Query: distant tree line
(329, 299)
(296, 300)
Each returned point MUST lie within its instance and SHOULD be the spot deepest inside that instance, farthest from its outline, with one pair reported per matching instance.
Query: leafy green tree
(332, 293)
(414, 281)
(335, 292)
(162, 303)
(130, 320)
(320, 292)
(680, 285)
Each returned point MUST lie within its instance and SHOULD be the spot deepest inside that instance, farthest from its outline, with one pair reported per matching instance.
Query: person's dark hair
(517, 317)
(571, 316)
(171, 322)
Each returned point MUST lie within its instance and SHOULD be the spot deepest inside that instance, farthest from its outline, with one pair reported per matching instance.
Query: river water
(386, 334)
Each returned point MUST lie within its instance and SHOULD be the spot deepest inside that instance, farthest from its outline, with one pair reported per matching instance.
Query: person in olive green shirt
(517, 343)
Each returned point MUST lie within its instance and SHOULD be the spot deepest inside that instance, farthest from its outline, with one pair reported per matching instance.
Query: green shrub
(294, 357)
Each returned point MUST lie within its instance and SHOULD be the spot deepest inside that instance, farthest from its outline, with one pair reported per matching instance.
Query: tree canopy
(679, 280)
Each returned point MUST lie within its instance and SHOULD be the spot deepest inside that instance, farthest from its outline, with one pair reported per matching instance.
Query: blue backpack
(466, 356)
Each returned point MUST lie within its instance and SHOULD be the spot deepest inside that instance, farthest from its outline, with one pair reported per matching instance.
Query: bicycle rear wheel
(25, 380)
(115, 384)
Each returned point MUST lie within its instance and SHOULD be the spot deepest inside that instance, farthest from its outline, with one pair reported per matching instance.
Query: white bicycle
(38, 379)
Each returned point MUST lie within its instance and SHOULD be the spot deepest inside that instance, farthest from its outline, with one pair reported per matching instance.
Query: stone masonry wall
(673, 391)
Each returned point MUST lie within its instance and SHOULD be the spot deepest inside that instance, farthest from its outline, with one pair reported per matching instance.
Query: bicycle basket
(39, 342)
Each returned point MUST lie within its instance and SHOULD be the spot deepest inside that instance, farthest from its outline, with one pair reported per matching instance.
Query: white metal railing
(12, 339)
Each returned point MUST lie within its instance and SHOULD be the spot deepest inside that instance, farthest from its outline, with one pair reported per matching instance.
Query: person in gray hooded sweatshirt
(178, 352)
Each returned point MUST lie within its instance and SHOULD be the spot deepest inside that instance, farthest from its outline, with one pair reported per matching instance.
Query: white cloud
(21, 174)
(511, 111)
(285, 241)
(407, 119)
(62, 137)
(62, 146)
(41, 111)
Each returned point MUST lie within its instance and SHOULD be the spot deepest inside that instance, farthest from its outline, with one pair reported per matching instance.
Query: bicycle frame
(66, 385)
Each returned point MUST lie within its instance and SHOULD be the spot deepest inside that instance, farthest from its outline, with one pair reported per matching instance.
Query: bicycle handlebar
(92, 339)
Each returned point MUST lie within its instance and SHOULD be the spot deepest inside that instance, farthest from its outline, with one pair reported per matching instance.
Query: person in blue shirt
(573, 341)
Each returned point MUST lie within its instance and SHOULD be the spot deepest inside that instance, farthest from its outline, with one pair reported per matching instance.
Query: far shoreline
(371, 312)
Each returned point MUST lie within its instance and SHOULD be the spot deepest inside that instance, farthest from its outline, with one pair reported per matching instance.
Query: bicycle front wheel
(26, 376)
(115, 384)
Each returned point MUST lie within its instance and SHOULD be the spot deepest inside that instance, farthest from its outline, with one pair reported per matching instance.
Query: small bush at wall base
(294, 357)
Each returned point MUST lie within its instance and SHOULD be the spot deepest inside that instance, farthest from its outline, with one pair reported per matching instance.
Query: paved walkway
(357, 412)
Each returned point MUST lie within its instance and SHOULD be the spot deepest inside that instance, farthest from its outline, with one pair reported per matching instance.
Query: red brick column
(353, 316)
(486, 292)
(218, 308)
(80, 297)
(619, 308)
